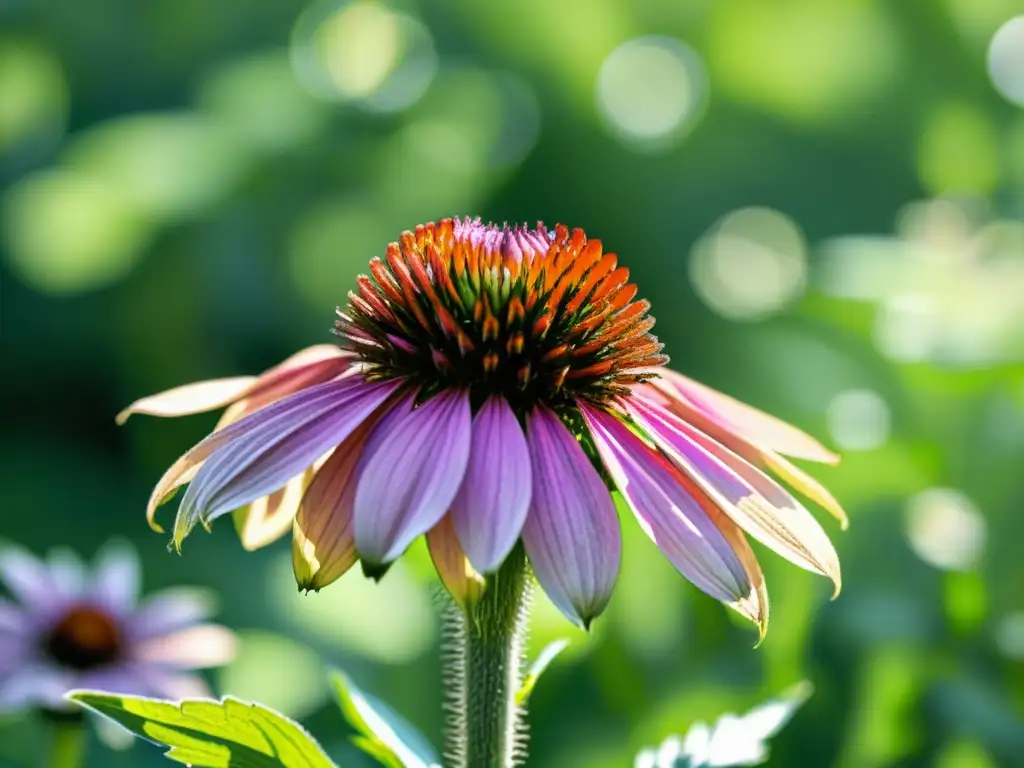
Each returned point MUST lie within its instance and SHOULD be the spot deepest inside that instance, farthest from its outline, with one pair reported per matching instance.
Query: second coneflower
(492, 385)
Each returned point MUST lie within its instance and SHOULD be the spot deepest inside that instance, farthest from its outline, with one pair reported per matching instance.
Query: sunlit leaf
(734, 740)
(537, 669)
(384, 734)
(212, 734)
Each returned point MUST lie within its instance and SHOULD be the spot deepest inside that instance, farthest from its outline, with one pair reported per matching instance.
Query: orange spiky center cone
(533, 315)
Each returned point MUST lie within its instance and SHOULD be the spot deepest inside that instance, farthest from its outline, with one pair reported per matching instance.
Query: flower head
(72, 629)
(490, 386)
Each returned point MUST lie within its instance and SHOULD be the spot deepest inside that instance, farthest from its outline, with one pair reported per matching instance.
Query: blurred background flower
(190, 188)
(72, 628)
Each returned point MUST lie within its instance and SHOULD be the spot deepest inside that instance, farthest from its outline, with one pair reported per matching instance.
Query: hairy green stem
(485, 655)
(67, 745)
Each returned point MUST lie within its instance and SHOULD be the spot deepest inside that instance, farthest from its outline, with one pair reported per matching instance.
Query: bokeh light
(259, 100)
(1006, 60)
(392, 622)
(945, 529)
(651, 90)
(1010, 635)
(67, 232)
(803, 60)
(255, 674)
(750, 264)
(34, 105)
(957, 152)
(858, 419)
(363, 52)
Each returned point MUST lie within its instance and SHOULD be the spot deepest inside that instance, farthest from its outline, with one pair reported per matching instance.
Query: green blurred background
(822, 200)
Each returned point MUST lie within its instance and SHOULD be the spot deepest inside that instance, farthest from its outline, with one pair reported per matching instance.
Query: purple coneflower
(69, 629)
(493, 385)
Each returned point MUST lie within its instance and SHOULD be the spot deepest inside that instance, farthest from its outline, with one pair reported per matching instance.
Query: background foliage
(822, 200)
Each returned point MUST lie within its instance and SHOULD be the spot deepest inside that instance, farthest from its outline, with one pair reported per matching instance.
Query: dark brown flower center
(536, 315)
(84, 638)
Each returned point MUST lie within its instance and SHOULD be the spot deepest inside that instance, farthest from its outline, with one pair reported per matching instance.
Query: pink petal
(756, 503)
(275, 444)
(307, 368)
(671, 517)
(36, 684)
(572, 534)
(491, 506)
(190, 398)
(411, 470)
(323, 543)
(173, 685)
(168, 611)
(198, 647)
(741, 419)
(27, 578)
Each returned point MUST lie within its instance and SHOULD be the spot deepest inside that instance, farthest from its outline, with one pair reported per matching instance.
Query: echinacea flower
(490, 386)
(73, 629)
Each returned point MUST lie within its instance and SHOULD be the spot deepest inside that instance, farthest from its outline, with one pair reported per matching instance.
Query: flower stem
(486, 727)
(67, 745)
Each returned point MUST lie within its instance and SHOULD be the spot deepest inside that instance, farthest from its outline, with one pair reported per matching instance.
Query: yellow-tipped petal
(191, 398)
(462, 581)
(323, 546)
(806, 485)
(269, 518)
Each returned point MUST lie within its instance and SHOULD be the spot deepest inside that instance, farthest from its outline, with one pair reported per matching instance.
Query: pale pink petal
(572, 535)
(12, 617)
(125, 678)
(270, 517)
(190, 398)
(27, 578)
(323, 542)
(757, 504)
(198, 647)
(34, 685)
(739, 418)
(462, 581)
(116, 579)
(275, 444)
(307, 368)
(673, 518)
(68, 573)
(412, 467)
(173, 685)
(491, 506)
(170, 610)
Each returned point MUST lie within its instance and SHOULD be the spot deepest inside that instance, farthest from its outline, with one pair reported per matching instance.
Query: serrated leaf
(734, 740)
(537, 669)
(211, 734)
(384, 734)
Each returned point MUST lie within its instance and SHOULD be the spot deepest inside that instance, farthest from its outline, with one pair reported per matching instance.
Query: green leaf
(537, 669)
(212, 734)
(384, 734)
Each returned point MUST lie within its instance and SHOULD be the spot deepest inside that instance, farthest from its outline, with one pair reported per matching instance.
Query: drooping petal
(757, 504)
(170, 610)
(36, 684)
(275, 444)
(756, 426)
(323, 543)
(191, 398)
(309, 367)
(116, 579)
(674, 518)
(173, 685)
(463, 582)
(27, 578)
(270, 517)
(745, 448)
(489, 511)
(198, 647)
(571, 535)
(412, 467)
